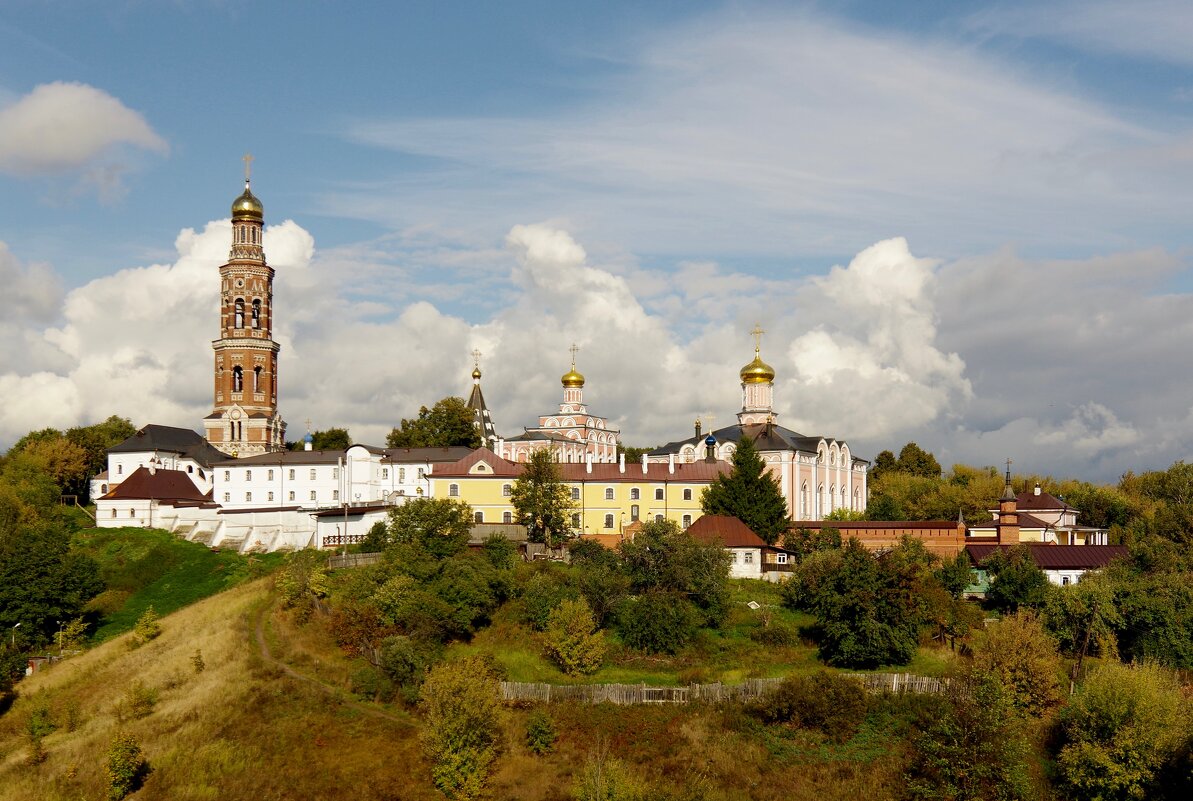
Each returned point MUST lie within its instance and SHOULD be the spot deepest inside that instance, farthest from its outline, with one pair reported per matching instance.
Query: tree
(439, 527)
(664, 558)
(972, 749)
(884, 463)
(956, 575)
(633, 455)
(1022, 655)
(658, 622)
(804, 542)
(462, 736)
(573, 640)
(917, 461)
(95, 440)
(446, 424)
(1124, 726)
(43, 581)
(541, 501)
(748, 493)
(127, 766)
(1017, 581)
(333, 439)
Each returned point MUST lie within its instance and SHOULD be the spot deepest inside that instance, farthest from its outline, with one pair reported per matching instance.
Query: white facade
(123, 465)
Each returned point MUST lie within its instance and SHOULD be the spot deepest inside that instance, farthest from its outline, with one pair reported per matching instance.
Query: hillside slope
(241, 728)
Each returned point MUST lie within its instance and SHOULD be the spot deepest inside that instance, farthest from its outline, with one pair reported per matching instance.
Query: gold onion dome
(247, 205)
(572, 379)
(757, 371)
(476, 373)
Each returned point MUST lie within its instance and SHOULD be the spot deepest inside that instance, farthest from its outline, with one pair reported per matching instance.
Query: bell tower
(757, 387)
(245, 421)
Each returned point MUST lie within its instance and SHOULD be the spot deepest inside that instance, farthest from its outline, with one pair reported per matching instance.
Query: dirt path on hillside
(331, 690)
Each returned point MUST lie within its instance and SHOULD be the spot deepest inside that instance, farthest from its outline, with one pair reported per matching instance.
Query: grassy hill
(151, 567)
(283, 725)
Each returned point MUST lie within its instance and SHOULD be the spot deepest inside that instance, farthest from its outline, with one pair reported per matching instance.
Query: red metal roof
(463, 467)
(1057, 557)
(160, 485)
(726, 530)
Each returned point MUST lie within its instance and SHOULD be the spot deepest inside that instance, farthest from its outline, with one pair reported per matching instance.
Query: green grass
(150, 567)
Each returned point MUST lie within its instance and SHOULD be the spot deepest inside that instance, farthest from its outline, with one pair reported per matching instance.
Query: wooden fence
(353, 560)
(624, 694)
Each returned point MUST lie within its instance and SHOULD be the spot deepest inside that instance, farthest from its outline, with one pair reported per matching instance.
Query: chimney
(697, 428)
(671, 463)
(588, 462)
(1037, 490)
(621, 461)
(645, 469)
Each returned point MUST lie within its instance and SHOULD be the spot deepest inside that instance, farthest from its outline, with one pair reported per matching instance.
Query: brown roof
(657, 472)
(160, 485)
(285, 458)
(451, 454)
(1025, 521)
(726, 530)
(850, 525)
(499, 466)
(1057, 557)
(1043, 501)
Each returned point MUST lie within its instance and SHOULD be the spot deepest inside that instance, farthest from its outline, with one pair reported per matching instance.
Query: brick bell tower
(245, 421)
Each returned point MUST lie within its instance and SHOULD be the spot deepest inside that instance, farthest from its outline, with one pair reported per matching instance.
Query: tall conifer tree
(750, 494)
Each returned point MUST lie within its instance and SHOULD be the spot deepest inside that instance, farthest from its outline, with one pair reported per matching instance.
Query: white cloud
(793, 133)
(61, 127)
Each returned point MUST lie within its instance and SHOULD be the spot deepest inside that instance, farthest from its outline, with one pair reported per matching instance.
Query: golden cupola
(247, 206)
(757, 371)
(572, 379)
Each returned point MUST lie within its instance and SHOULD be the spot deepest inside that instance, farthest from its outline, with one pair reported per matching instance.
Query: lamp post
(59, 638)
(14, 636)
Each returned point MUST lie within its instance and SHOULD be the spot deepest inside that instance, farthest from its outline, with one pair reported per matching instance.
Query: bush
(370, 684)
(540, 733)
(1123, 728)
(302, 581)
(405, 662)
(544, 591)
(657, 622)
(605, 778)
(147, 627)
(127, 766)
(137, 702)
(830, 703)
(358, 627)
(1023, 656)
(776, 635)
(389, 597)
(500, 552)
(462, 735)
(573, 641)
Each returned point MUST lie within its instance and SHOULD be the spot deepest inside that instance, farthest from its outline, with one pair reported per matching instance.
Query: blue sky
(716, 159)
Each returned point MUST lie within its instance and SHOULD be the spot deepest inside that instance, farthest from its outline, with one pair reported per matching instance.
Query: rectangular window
(291, 494)
(312, 474)
(335, 495)
(248, 497)
(635, 494)
(633, 511)
(575, 493)
(687, 520)
(733, 557)
(507, 490)
(749, 558)
(658, 518)
(402, 474)
(608, 521)
(453, 490)
(385, 472)
(312, 495)
(658, 494)
(608, 493)
(270, 496)
(227, 497)
(422, 473)
(269, 476)
(687, 495)
(781, 558)
(120, 471)
(507, 517)
(291, 473)
(576, 520)
(227, 475)
(248, 475)
(479, 517)
(335, 474)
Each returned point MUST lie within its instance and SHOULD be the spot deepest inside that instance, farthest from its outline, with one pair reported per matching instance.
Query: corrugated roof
(436, 455)
(766, 436)
(183, 441)
(462, 467)
(1057, 557)
(160, 485)
(655, 473)
(285, 458)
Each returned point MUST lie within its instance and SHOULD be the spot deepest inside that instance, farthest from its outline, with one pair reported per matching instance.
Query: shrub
(540, 733)
(357, 627)
(41, 720)
(605, 778)
(657, 622)
(776, 635)
(302, 581)
(972, 749)
(370, 684)
(406, 662)
(543, 592)
(1023, 656)
(147, 627)
(389, 597)
(137, 702)
(500, 552)
(127, 766)
(462, 735)
(573, 640)
(1124, 726)
(830, 703)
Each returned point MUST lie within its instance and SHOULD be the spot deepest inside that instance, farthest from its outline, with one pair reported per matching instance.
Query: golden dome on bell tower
(247, 206)
(572, 379)
(757, 371)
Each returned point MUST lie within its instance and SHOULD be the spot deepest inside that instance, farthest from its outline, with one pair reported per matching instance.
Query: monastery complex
(237, 486)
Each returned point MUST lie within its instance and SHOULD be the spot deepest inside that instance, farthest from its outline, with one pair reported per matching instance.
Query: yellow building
(608, 497)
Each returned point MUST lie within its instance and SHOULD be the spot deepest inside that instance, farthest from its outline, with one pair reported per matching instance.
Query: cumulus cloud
(61, 127)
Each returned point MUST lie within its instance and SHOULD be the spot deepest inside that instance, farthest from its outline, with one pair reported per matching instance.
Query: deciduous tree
(542, 502)
(462, 735)
(573, 640)
(439, 527)
(448, 423)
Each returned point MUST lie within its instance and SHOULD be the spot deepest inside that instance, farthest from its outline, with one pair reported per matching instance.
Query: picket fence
(749, 690)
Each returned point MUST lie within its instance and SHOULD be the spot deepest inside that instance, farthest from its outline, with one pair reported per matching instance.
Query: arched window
(132, 512)
(238, 379)
(453, 490)
(608, 521)
(103, 489)
(240, 312)
(608, 493)
(843, 497)
(257, 313)
(832, 498)
(479, 517)
(857, 499)
(257, 378)
(635, 494)
(819, 502)
(687, 495)
(803, 500)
